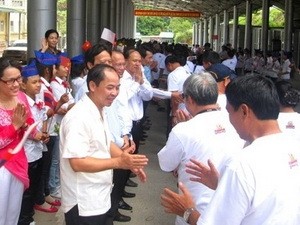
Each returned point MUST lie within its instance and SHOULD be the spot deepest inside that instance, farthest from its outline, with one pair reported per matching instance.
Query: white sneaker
(32, 223)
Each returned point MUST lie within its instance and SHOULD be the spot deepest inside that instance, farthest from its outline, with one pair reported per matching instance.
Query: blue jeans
(54, 180)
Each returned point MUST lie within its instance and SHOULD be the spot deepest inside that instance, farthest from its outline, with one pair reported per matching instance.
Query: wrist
(187, 214)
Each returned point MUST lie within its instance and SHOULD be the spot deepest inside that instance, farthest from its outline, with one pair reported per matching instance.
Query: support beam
(205, 32)
(75, 25)
(225, 28)
(235, 27)
(41, 16)
(93, 21)
(248, 27)
(265, 26)
(288, 25)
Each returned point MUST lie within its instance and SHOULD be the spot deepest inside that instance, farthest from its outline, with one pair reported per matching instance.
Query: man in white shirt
(259, 184)
(98, 54)
(208, 135)
(137, 89)
(88, 155)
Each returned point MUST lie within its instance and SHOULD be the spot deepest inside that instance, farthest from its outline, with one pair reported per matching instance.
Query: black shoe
(128, 194)
(131, 183)
(121, 218)
(132, 175)
(124, 205)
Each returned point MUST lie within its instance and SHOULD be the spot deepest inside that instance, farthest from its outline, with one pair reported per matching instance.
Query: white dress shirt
(82, 136)
(136, 93)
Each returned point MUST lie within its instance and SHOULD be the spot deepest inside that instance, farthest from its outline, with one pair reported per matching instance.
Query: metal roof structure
(206, 7)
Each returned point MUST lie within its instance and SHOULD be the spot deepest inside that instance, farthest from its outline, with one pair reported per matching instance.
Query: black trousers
(119, 179)
(72, 218)
(27, 210)
(137, 133)
(43, 189)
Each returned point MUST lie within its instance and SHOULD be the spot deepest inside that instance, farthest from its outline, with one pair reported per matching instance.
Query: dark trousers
(43, 189)
(72, 218)
(27, 210)
(119, 180)
(137, 133)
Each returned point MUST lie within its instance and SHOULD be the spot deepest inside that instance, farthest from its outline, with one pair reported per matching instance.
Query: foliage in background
(276, 18)
(62, 17)
(152, 25)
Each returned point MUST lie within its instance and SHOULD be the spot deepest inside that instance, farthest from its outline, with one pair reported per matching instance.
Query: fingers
(141, 175)
(212, 166)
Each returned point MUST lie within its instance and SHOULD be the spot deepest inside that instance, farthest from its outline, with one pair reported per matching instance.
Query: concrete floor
(146, 205)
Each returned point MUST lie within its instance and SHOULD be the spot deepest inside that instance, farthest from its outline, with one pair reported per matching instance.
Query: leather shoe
(131, 183)
(124, 205)
(132, 175)
(128, 194)
(121, 218)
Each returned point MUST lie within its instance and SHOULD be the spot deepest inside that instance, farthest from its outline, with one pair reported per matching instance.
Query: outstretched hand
(176, 203)
(207, 175)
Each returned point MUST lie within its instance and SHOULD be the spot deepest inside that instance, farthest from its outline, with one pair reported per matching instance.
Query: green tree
(62, 17)
(276, 18)
(182, 29)
(152, 25)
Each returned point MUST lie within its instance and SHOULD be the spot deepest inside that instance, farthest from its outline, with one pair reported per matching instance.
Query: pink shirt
(9, 138)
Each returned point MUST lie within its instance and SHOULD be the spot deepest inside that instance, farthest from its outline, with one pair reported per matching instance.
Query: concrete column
(75, 25)
(131, 24)
(211, 31)
(248, 27)
(93, 21)
(200, 32)
(217, 32)
(205, 35)
(225, 27)
(112, 15)
(265, 26)
(104, 14)
(194, 37)
(235, 27)
(288, 12)
(41, 16)
(118, 18)
(122, 18)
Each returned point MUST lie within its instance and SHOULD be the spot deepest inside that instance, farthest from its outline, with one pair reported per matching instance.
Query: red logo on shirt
(290, 125)
(220, 129)
(293, 161)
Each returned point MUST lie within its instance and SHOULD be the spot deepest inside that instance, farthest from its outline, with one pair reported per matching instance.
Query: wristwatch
(187, 213)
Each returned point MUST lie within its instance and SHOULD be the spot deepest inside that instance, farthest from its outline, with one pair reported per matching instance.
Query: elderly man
(208, 135)
(259, 184)
(88, 155)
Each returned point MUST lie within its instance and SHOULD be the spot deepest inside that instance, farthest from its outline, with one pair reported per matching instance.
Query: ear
(245, 110)
(89, 65)
(92, 86)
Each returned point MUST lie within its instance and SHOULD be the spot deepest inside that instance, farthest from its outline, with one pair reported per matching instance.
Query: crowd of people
(232, 133)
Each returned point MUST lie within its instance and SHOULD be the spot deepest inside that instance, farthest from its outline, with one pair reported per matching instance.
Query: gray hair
(203, 89)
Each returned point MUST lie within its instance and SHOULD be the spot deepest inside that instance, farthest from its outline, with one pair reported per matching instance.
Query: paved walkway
(146, 205)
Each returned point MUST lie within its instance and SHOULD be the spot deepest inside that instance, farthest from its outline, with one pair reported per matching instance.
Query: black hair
(97, 74)
(212, 57)
(288, 96)
(94, 51)
(6, 63)
(51, 31)
(257, 92)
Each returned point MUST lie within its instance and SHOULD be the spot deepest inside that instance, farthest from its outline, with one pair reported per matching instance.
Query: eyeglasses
(12, 81)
